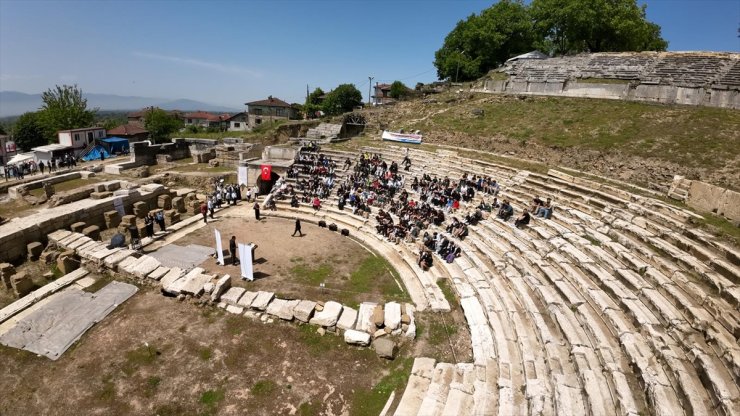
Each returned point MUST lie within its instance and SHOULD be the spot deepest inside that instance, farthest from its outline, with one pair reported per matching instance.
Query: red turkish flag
(266, 172)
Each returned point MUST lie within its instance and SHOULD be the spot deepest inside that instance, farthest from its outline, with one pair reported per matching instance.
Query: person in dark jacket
(232, 249)
(297, 228)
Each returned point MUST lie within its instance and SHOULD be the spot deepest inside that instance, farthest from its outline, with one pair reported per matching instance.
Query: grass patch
(235, 325)
(139, 357)
(100, 282)
(205, 354)
(311, 275)
(372, 270)
(264, 388)
(592, 240)
(309, 409)
(439, 333)
(371, 401)
(152, 383)
(212, 398)
(444, 285)
(318, 344)
(720, 226)
(108, 390)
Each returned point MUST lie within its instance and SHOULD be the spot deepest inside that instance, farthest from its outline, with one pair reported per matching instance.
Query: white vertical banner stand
(219, 248)
(245, 258)
(242, 175)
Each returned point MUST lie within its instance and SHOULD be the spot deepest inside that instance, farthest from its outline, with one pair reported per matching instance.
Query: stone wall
(145, 154)
(707, 198)
(15, 192)
(279, 153)
(18, 232)
(690, 78)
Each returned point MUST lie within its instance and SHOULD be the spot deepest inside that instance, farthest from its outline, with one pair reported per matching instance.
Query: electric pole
(369, 90)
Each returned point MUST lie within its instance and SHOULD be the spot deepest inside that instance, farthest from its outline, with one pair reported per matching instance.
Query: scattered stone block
(49, 256)
(67, 263)
(171, 217)
(178, 204)
(128, 220)
(112, 186)
(141, 209)
(238, 310)
(355, 337)
(171, 276)
(99, 187)
(6, 272)
(159, 273)
(321, 331)
(77, 227)
(283, 309)
(208, 288)
(262, 299)
(22, 284)
(303, 311)
(364, 317)
(410, 331)
(392, 315)
(378, 318)
(328, 316)
(347, 319)
(385, 348)
(232, 295)
(112, 219)
(247, 298)
(379, 333)
(93, 232)
(222, 285)
(164, 202)
(34, 250)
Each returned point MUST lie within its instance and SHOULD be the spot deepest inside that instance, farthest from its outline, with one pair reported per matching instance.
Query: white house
(80, 138)
(238, 122)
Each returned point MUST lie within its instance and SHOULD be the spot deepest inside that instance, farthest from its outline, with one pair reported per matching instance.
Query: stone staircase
(324, 132)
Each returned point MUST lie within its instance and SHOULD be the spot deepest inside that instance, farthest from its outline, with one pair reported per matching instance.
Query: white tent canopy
(21, 157)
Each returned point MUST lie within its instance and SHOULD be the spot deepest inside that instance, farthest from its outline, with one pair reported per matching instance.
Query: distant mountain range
(13, 103)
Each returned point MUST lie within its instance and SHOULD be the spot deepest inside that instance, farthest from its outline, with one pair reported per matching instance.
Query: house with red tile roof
(133, 131)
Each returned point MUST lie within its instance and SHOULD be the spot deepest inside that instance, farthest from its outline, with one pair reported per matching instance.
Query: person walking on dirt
(257, 211)
(297, 228)
(204, 212)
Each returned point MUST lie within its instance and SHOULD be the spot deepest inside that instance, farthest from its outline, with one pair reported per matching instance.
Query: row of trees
(341, 99)
(63, 108)
(557, 27)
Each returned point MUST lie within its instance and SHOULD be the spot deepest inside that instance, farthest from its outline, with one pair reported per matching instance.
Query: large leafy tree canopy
(161, 124)
(64, 108)
(28, 132)
(342, 99)
(485, 41)
(399, 90)
(313, 102)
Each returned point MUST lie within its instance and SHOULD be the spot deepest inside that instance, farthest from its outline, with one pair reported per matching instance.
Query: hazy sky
(231, 52)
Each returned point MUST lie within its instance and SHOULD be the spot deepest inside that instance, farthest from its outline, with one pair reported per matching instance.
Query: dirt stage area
(199, 361)
(295, 267)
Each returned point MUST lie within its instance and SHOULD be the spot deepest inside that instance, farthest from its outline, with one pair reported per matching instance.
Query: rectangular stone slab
(365, 317)
(170, 277)
(231, 297)
(262, 300)
(347, 319)
(158, 273)
(58, 235)
(114, 259)
(176, 286)
(304, 310)
(195, 285)
(281, 308)
(392, 315)
(329, 316)
(246, 300)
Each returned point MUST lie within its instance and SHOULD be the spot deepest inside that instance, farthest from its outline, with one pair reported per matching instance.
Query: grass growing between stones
(368, 402)
(318, 344)
(370, 271)
(722, 227)
(444, 285)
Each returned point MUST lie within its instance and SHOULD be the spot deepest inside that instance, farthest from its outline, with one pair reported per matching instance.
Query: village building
(81, 138)
(133, 131)
(268, 111)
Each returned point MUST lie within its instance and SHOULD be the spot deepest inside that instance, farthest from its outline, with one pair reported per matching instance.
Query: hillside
(14, 103)
(641, 143)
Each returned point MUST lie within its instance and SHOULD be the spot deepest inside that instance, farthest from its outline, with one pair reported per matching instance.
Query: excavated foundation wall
(662, 94)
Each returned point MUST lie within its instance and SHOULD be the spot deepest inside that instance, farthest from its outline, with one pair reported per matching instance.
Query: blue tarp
(116, 144)
(95, 153)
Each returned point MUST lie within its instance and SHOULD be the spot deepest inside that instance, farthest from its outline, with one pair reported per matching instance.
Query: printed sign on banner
(242, 175)
(219, 248)
(245, 253)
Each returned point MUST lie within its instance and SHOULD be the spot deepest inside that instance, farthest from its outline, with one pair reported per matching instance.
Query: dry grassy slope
(641, 143)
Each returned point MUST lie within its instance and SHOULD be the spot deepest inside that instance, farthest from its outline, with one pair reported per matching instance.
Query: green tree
(28, 131)
(160, 124)
(313, 102)
(342, 99)
(485, 41)
(399, 90)
(572, 26)
(64, 108)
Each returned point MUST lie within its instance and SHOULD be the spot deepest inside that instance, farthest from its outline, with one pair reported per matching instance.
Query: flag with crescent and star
(266, 172)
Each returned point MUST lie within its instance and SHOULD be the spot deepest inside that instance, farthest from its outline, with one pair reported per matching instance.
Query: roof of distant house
(81, 129)
(203, 115)
(228, 117)
(270, 102)
(383, 86)
(128, 129)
